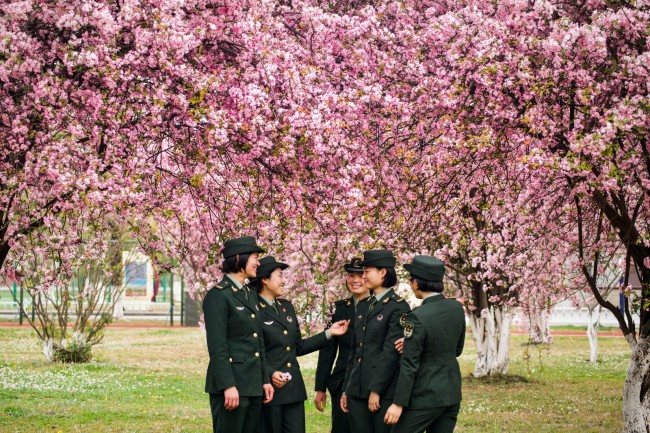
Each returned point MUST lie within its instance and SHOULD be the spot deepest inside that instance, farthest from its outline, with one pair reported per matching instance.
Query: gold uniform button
(230, 359)
(255, 334)
(360, 344)
(253, 315)
(285, 332)
(359, 359)
(289, 364)
(288, 349)
(257, 354)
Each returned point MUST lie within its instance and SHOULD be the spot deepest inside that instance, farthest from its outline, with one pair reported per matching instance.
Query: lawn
(151, 380)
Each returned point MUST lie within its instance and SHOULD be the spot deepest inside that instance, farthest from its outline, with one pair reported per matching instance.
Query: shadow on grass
(497, 379)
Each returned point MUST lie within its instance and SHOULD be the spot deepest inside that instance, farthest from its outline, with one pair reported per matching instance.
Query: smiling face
(356, 284)
(374, 277)
(273, 285)
(252, 264)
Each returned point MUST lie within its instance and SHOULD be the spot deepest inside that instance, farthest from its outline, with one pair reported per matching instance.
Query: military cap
(378, 259)
(354, 265)
(426, 267)
(243, 245)
(268, 264)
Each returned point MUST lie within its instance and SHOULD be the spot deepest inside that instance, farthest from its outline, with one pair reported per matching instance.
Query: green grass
(151, 380)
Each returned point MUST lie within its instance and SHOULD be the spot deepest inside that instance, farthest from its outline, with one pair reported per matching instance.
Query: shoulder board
(223, 285)
(282, 300)
(397, 298)
(347, 301)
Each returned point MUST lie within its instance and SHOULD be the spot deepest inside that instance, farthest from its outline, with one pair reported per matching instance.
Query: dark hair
(390, 279)
(256, 284)
(429, 286)
(235, 264)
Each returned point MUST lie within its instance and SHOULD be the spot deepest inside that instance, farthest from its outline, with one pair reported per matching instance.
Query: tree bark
(491, 333)
(636, 404)
(539, 327)
(592, 332)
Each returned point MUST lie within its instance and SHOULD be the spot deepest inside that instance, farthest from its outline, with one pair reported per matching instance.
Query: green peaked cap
(243, 245)
(378, 259)
(427, 268)
(268, 264)
(354, 265)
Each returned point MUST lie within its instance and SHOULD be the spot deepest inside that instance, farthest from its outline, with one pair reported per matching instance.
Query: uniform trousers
(362, 420)
(432, 420)
(244, 419)
(340, 419)
(283, 418)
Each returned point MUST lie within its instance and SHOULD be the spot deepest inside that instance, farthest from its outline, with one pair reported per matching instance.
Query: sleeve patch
(402, 318)
(408, 329)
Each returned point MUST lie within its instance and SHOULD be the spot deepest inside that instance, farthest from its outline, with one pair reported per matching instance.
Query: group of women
(387, 368)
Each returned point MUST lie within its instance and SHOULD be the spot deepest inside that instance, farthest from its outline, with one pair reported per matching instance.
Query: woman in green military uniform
(332, 378)
(428, 390)
(371, 375)
(283, 344)
(237, 379)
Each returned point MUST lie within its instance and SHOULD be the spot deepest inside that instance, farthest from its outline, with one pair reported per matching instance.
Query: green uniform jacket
(373, 364)
(284, 344)
(325, 376)
(429, 374)
(233, 328)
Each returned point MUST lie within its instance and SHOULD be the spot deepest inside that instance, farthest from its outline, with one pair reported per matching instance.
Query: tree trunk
(592, 332)
(491, 332)
(539, 326)
(636, 404)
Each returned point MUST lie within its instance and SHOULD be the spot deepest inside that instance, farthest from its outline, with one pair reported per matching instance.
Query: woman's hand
(320, 400)
(399, 345)
(344, 403)
(268, 392)
(231, 398)
(373, 402)
(392, 414)
(339, 328)
(278, 379)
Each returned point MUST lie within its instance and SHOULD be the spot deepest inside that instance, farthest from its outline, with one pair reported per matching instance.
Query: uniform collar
(433, 298)
(235, 281)
(268, 301)
(384, 293)
(356, 301)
